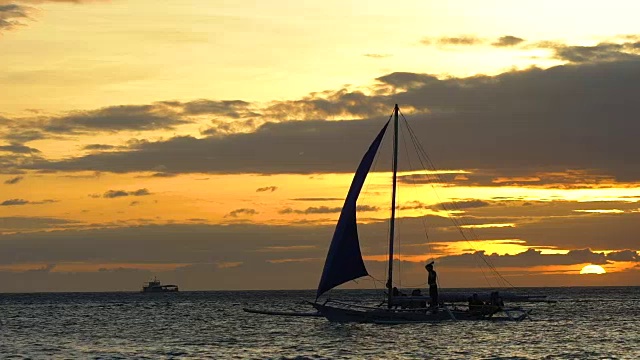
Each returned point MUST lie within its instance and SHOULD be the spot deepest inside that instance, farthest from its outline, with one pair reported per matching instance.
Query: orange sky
(212, 144)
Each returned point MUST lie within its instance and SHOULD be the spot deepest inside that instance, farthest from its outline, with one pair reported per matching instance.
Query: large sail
(344, 260)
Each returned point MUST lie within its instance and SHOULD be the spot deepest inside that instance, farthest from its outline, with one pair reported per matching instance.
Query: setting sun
(593, 269)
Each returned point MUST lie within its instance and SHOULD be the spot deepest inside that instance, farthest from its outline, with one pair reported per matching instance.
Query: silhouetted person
(475, 305)
(432, 280)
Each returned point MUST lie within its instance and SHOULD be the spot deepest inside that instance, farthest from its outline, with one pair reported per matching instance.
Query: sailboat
(344, 263)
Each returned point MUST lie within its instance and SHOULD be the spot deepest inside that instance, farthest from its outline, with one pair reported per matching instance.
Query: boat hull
(344, 314)
(160, 290)
(282, 313)
(380, 315)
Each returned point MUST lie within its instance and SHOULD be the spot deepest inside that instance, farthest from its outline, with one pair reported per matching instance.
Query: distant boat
(155, 286)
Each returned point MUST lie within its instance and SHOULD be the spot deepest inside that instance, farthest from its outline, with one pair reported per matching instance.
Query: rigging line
(454, 205)
(398, 237)
(415, 187)
(437, 178)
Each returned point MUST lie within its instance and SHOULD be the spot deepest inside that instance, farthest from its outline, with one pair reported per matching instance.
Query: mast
(393, 203)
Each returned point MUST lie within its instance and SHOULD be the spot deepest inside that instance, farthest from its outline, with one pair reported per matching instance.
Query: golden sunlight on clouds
(602, 211)
(187, 136)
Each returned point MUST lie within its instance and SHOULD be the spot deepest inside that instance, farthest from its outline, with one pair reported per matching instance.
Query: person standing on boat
(433, 284)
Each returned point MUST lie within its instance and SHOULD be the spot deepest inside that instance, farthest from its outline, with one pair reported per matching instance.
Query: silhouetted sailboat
(344, 262)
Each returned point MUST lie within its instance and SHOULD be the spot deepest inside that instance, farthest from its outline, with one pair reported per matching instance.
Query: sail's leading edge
(344, 259)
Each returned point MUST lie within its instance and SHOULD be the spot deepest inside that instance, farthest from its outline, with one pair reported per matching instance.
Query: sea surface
(585, 323)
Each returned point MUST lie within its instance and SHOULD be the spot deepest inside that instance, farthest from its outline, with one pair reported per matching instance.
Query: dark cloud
(98, 147)
(317, 199)
(122, 193)
(325, 210)
(15, 202)
(234, 109)
(413, 205)
(507, 41)
(567, 179)
(22, 135)
(13, 16)
(602, 52)
(19, 149)
(164, 115)
(535, 226)
(533, 257)
(12, 202)
(140, 192)
(31, 223)
(267, 188)
(163, 175)
(576, 117)
(460, 205)
(598, 53)
(245, 243)
(243, 211)
(625, 255)
(222, 128)
(116, 118)
(14, 180)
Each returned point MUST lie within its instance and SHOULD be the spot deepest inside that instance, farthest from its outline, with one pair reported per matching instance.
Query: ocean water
(585, 323)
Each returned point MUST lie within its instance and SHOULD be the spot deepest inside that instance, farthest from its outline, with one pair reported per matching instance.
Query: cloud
(122, 193)
(13, 15)
(625, 255)
(460, 205)
(115, 118)
(317, 199)
(15, 202)
(377, 56)
(414, 205)
(51, 1)
(243, 211)
(12, 202)
(534, 257)
(19, 149)
(247, 243)
(507, 125)
(326, 210)
(267, 188)
(507, 41)
(602, 52)
(14, 180)
(598, 53)
(459, 40)
(21, 135)
(98, 147)
(234, 109)
(164, 115)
